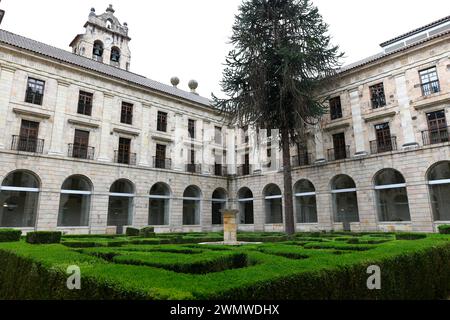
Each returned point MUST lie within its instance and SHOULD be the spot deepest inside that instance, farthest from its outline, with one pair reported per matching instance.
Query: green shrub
(445, 229)
(353, 241)
(43, 237)
(132, 232)
(10, 235)
(410, 236)
(147, 232)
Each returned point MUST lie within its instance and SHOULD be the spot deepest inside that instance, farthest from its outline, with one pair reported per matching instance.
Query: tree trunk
(288, 192)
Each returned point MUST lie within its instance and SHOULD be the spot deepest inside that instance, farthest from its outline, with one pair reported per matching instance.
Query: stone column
(259, 213)
(405, 112)
(324, 210)
(6, 84)
(98, 216)
(420, 208)
(47, 219)
(358, 126)
(141, 205)
(206, 215)
(105, 146)
(59, 119)
(144, 158)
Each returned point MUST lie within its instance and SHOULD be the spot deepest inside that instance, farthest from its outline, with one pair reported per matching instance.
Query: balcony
(27, 144)
(431, 88)
(220, 170)
(81, 152)
(159, 163)
(339, 154)
(301, 160)
(125, 158)
(244, 170)
(388, 145)
(435, 136)
(194, 168)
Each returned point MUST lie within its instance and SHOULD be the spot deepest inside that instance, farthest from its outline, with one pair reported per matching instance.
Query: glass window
(345, 199)
(19, 197)
(126, 115)
(162, 121)
(439, 184)
(305, 202)
(219, 201)
(335, 108)
(245, 206)
(120, 207)
(35, 91)
(85, 103)
(429, 81)
(377, 96)
(159, 205)
(75, 202)
(191, 128)
(191, 206)
(218, 135)
(273, 204)
(391, 196)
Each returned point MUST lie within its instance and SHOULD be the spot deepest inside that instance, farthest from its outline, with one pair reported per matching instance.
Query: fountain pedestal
(230, 226)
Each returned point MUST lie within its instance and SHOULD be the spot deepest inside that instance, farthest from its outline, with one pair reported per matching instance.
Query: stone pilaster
(6, 82)
(180, 150)
(144, 158)
(59, 120)
(231, 150)
(358, 125)
(105, 146)
(405, 112)
(318, 140)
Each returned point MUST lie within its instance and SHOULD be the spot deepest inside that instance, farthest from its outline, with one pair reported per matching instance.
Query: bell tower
(105, 40)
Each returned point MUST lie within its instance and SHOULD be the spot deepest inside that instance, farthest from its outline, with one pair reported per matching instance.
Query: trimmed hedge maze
(174, 266)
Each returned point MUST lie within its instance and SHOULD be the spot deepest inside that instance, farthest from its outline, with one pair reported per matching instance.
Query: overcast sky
(188, 39)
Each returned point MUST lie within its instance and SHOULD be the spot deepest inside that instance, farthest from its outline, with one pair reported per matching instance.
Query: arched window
(19, 195)
(219, 201)
(75, 203)
(109, 24)
(120, 208)
(345, 199)
(273, 204)
(245, 199)
(191, 206)
(115, 55)
(305, 202)
(98, 50)
(391, 196)
(158, 214)
(439, 184)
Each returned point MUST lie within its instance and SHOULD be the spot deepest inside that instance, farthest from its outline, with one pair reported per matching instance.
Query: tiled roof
(15, 40)
(418, 30)
(382, 55)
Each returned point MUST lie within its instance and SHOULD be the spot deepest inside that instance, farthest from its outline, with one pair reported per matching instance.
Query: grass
(307, 266)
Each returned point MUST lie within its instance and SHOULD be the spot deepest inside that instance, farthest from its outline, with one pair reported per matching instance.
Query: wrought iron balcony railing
(125, 158)
(339, 154)
(193, 168)
(435, 136)
(244, 170)
(387, 145)
(160, 163)
(27, 144)
(81, 152)
(220, 170)
(302, 159)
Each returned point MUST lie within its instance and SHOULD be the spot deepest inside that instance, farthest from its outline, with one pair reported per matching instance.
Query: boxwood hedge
(445, 229)
(410, 270)
(43, 237)
(10, 235)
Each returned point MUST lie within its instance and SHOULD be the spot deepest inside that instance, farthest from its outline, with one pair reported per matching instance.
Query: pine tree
(282, 55)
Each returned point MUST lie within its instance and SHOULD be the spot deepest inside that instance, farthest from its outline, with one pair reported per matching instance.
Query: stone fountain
(230, 229)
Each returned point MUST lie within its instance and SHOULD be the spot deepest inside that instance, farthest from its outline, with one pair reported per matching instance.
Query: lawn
(175, 266)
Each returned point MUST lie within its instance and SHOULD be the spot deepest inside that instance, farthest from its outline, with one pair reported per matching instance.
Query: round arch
(192, 197)
(159, 204)
(246, 209)
(121, 203)
(75, 202)
(345, 199)
(391, 196)
(273, 204)
(19, 199)
(218, 203)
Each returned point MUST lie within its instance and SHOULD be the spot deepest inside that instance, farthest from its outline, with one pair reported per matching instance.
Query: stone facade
(216, 145)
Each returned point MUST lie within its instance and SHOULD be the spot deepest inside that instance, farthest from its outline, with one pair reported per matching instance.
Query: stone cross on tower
(105, 40)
